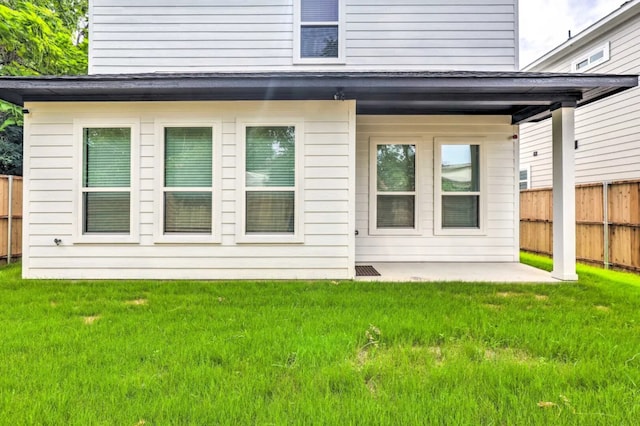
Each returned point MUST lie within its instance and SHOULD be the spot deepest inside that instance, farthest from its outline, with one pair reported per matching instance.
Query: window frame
(604, 48)
(527, 181)
(374, 142)
(438, 193)
(79, 236)
(297, 35)
(297, 237)
(215, 236)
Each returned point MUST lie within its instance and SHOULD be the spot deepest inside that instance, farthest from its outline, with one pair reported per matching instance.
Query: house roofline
(521, 95)
(627, 10)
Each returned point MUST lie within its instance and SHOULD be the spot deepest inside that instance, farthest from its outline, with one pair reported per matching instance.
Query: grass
(158, 353)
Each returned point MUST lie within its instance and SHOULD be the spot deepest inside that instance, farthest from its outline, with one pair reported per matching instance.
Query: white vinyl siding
(607, 131)
(133, 36)
(498, 242)
(52, 167)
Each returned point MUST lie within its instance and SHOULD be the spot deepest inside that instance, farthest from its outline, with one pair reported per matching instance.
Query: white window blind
(188, 179)
(319, 28)
(106, 180)
(460, 186)
(270, 175)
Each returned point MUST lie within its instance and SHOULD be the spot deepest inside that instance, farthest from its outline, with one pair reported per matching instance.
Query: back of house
(607, 145)
(269, 139)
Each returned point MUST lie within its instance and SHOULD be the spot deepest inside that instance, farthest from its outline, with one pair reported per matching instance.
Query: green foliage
(10, 139)
(33, 41)
(155, 353)
(72, 13)
(37, 37)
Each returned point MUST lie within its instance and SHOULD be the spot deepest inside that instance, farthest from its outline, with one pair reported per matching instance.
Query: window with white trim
(106, 180)
(591, 59)
(271, 193)
(319, 31)
(525, 177)
(393, 186)
(188, 180)
(459, 187)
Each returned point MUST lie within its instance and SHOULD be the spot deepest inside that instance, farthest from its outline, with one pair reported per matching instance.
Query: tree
(36, 38)
(72, 14)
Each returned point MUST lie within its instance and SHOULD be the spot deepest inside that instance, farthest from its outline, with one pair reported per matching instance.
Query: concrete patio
(479, 272)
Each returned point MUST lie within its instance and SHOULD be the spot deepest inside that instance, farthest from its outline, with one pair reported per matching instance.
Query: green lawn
(158, 353)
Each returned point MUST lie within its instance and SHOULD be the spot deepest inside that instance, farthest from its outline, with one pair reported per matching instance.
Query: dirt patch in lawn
(136, 302)
(508, 294)
(541, 297)
(90, 319)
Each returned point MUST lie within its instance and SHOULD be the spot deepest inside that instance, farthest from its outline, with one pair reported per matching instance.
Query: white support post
(564, 194)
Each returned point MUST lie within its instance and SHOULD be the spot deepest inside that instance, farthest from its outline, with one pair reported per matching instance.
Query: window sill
(106, 239)
(187, 239)
(392, 232)
(462, 232)
(319, 61)
(269, 239)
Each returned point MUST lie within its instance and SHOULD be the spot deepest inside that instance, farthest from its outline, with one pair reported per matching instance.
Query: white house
(607, 139)
(289, 139)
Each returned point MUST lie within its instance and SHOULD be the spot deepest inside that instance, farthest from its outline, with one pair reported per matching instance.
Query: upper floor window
(318, 31)
(591, 59)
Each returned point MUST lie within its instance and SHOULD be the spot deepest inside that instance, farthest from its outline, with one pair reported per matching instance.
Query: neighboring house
(288, 139)
(607, 139)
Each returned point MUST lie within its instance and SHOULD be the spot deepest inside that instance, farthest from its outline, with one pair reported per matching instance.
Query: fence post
(9, 218)
(605, 213)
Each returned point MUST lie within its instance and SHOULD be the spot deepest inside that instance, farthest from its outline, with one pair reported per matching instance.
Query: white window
(459, 186)
(271, 193)
(525, 177)
(393, 195)
(188, 198)
(106, 204)
(591, 59)
(319, 31)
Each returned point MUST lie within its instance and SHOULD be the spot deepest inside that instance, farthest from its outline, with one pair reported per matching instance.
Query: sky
(544, 24)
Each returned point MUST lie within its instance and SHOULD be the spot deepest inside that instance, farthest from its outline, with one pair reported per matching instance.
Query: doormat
(366, 271)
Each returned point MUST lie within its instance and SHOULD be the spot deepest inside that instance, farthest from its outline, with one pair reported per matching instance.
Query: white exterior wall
(52, 182)
(608, 131)
(499, 242)
(135, 36)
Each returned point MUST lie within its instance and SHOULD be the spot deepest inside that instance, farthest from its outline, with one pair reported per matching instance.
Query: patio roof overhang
(523, 96)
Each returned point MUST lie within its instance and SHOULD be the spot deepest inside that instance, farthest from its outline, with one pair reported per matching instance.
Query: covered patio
(522, 97)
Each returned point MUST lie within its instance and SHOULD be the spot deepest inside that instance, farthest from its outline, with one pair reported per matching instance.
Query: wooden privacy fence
(10, 218)
(607, 223)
